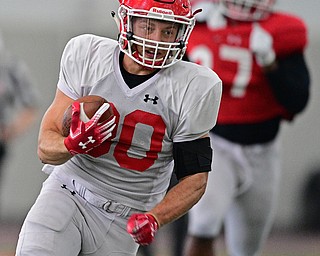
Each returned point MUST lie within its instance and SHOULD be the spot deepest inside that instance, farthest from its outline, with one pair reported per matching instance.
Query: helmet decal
(165, 1)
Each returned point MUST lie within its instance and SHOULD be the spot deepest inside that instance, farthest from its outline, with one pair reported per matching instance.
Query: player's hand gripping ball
(87, 123)
(142, 227)
(88, 107)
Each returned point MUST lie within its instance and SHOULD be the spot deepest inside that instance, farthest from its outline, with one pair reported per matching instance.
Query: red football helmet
(175, 12)
(247, 10)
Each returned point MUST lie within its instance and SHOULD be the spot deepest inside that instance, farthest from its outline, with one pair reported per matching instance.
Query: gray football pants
(64, 224)
(241, 194)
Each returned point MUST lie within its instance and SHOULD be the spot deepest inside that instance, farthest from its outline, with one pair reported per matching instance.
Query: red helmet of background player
(247, 10)
(175, 11)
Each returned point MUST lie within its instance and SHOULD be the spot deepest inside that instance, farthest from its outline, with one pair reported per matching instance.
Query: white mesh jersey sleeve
(84, 62)
(200, 104)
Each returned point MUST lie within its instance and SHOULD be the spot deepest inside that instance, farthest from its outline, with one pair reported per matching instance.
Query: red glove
(83, 136)
(142, 227)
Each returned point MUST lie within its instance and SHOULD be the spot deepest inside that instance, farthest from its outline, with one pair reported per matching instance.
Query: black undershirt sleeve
(290, 82)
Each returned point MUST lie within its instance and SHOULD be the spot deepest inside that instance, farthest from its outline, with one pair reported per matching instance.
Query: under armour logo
(154, 100)
(84, 145)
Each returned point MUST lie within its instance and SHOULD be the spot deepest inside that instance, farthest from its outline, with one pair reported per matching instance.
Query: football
(88, 106)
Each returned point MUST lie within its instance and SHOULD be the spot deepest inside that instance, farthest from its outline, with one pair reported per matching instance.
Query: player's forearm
(51, 148)
(180, 198)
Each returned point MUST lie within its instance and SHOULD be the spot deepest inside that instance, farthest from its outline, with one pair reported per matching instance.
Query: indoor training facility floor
(279, 243)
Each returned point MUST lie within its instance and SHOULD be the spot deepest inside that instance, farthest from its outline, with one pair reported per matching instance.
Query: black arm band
(192, 157)
(290, 82)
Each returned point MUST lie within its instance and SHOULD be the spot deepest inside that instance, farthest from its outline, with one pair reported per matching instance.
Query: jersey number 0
(127, 133)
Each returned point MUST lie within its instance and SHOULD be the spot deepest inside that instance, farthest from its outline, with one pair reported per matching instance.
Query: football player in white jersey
(110, 197)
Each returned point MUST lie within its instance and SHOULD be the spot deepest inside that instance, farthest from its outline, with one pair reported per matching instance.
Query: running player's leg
(49, 228)
(63, 223)
(249, 221)
(207, 216)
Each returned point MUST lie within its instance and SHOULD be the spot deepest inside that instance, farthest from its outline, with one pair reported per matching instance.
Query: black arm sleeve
(290, 82)
(192, 157)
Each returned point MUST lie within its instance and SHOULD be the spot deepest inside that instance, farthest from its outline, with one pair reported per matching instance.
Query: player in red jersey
(259, 55)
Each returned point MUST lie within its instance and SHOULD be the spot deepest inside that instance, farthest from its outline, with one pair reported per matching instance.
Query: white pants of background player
(62, 223)
(242, 194)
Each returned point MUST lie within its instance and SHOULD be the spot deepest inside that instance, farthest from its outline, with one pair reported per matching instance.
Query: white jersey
(177, 104)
